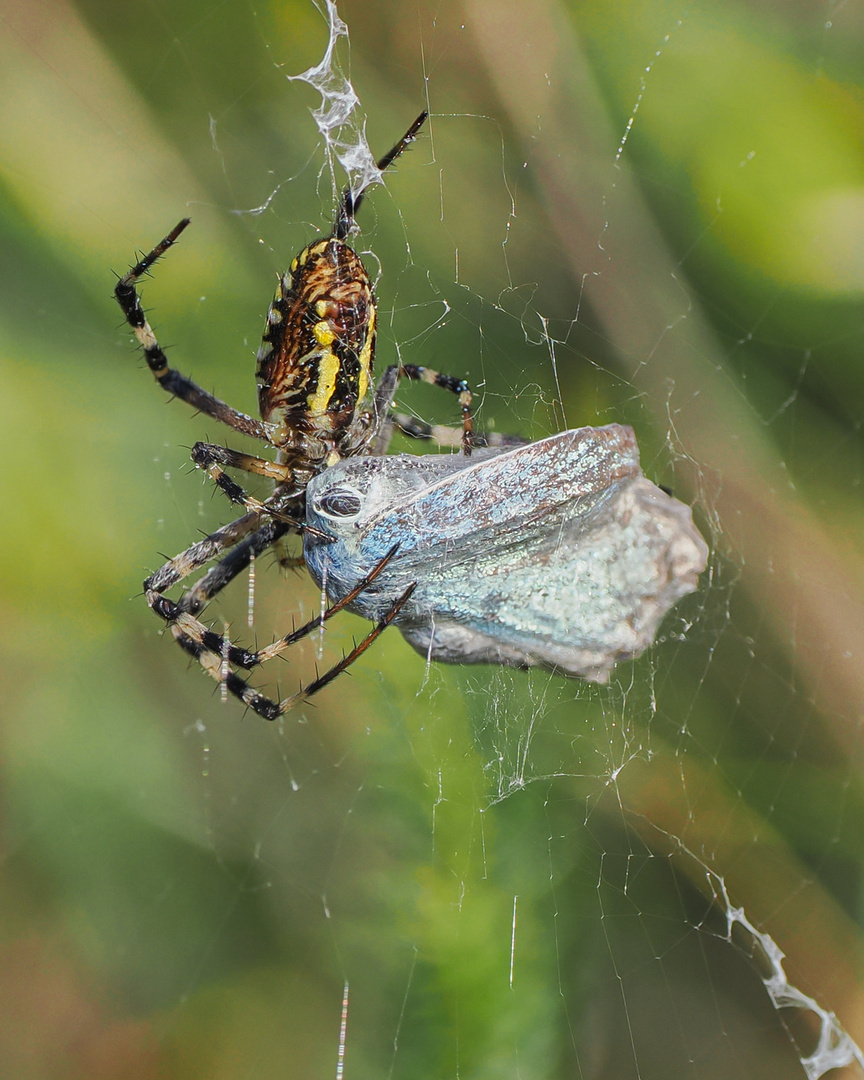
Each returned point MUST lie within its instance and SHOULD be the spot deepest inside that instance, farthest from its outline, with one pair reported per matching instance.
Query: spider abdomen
(317, 351)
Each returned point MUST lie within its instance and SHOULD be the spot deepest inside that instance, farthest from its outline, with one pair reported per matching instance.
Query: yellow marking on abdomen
(366, 358)
(324, 333)
(328, 369)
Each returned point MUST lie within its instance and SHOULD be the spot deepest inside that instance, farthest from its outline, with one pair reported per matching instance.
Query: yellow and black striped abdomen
(315, 360)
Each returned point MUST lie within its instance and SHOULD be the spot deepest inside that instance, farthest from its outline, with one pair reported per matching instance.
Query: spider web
(648, 215)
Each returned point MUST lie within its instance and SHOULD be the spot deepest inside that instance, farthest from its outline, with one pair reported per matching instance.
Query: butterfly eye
(339, 502)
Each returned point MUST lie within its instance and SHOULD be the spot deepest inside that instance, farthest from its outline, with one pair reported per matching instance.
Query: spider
(318, 407)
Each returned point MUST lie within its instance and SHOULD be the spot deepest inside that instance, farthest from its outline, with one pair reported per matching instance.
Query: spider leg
(204, 551)
(170, 380)
(194, 600)
(272, 710)
(211, 458)
(442, 435)
(279, 646)
(416, 373)
(350, 203)
(192, 635)
(206, 644)
(180, 614)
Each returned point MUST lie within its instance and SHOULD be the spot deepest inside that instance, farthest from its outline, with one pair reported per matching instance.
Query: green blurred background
(516, 875)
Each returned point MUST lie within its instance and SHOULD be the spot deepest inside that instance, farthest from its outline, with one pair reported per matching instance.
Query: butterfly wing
(559, 553)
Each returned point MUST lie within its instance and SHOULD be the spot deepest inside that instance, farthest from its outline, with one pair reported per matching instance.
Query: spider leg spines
(281, 644)
(272, 710)
(171, 381)
(459, 387)
(213, 651)
(351, 201)
(451, 437)
(348, 659)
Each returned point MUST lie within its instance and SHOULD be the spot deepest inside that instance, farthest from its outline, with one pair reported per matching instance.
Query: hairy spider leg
(177, 615)
(213, 650)
(170, 380)
(445, 436)
(459, 387)
(211, 458)
(194, 600)
(272, 710)
(350, 202)
(204, 551)
(386, 392)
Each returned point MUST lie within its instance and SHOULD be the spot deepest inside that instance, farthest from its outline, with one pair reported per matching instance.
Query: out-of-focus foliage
(482, 855)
